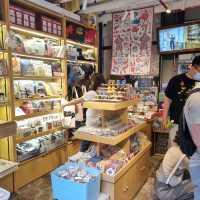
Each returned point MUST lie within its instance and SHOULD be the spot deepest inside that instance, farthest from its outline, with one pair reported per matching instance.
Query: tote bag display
(78, 107)
(69, 116)
(84, 89)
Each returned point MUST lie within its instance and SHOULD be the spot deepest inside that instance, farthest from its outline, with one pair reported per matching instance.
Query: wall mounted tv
(179, 39)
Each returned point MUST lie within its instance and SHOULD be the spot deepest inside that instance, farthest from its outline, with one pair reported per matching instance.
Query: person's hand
(64, 103)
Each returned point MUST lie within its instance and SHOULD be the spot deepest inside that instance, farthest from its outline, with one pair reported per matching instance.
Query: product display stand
(23, 12)
(7, 125)
(44, 162)
(127, 182)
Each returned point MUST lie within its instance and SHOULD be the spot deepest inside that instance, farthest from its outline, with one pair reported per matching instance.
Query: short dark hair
(96, 80)
(196, 61)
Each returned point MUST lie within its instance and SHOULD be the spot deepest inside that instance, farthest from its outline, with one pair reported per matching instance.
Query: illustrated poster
(121, 43)
(141, 41)
(132, 39)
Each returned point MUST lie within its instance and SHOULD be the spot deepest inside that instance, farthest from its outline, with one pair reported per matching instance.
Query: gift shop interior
(82, 91)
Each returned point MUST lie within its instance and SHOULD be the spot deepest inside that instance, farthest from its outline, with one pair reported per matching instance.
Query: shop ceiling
(100, 6)
(106, 7)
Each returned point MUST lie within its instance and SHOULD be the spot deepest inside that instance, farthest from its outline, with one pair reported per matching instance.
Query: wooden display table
(130, 178)
(112, 106)
(112, 140)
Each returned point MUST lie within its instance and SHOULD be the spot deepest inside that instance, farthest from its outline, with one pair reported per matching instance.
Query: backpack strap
(194, 91)
(186, 143)
(175, 168)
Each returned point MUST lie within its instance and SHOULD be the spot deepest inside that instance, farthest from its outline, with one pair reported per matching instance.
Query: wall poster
(132, 39)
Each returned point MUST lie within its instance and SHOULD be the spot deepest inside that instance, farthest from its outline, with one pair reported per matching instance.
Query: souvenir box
(50, 26)
(22, 17)
(78, 191)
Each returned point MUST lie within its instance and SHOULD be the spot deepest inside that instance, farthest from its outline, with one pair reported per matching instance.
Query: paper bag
(79, 107)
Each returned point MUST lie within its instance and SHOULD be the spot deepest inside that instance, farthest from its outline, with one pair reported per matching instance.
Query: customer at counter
(176, 93)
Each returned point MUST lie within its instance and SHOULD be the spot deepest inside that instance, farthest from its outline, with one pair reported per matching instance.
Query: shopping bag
(84, 89)
(68, 116)
(78, 107)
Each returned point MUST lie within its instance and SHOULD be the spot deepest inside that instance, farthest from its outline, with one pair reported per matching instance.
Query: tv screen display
(171, 39)
(179, 38)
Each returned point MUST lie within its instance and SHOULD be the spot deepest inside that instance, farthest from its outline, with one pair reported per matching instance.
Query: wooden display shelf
(130, 179)
(7, 128)
(84, 45)
(30, 31)
(2, 22)
(7, 182)
(82, 61)
(160, 130)
(112, 140)
(3, 51)
(43, 154)
(37, 78)
(37, 114)
(111, 106)
(4, 76)
(33, 6)
(6, 103)
(36, 98)
(113, 179)
(36, 167)
(26, 138)
(83, 25)
(32, 56)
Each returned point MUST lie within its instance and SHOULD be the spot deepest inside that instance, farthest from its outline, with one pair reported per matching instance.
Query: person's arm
(73, 102)
(169, 96)
(166, 106)
(87, 97)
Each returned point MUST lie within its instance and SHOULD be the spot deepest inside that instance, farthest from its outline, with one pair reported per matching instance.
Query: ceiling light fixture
(167, 10)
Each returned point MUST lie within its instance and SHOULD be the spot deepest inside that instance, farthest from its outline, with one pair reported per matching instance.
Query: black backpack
(186, 143)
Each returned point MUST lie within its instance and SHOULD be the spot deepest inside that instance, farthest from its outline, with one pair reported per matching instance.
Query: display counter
(126, 182)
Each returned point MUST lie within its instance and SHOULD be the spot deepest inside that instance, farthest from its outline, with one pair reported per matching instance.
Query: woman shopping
(93, 117)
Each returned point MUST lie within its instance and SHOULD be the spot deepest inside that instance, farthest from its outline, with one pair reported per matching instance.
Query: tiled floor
(41, 188)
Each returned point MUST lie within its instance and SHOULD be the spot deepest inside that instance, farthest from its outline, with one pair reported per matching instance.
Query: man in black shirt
(176, 93)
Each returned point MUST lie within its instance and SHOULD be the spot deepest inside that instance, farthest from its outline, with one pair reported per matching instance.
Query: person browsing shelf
(92, 115)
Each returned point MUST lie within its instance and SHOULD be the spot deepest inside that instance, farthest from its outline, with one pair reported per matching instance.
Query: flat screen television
(179, 39)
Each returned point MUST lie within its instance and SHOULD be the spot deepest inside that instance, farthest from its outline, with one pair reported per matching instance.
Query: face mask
(197, 76)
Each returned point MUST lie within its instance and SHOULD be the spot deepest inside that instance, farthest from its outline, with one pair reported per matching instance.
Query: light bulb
(168, 11)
